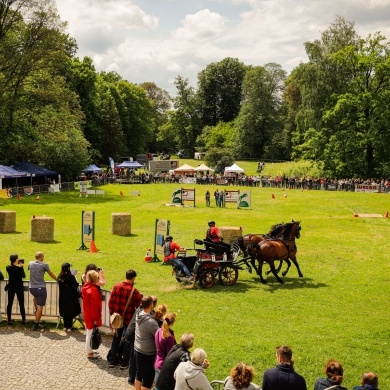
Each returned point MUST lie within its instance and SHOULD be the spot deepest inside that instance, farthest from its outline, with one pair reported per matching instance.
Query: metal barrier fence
(51, 309)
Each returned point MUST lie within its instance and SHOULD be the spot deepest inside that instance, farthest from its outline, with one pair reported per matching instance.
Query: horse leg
(260, 271)
(277, 270)
(273, 270)
(294, 260)
(253, 262)
(284, 273)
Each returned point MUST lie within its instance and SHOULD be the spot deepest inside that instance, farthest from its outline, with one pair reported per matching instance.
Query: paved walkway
(54, 359)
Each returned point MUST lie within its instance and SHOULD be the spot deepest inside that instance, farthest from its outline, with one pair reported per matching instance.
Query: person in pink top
(92, 305)
(164, 339)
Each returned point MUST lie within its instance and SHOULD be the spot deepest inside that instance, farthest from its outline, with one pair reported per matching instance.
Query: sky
(157, 40)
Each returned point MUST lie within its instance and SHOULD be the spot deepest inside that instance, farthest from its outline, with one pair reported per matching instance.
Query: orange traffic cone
(93, 248)
(121, 193)
(273, 196)
(148, 256)
(386, 215)
(355, 214)
(37, 198)
(19, 197)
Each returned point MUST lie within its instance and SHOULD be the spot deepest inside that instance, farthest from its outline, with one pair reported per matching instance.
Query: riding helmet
(211, 223)
(167, 238)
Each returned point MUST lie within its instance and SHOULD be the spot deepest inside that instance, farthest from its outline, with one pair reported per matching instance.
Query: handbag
(116, 320)
(96, 338)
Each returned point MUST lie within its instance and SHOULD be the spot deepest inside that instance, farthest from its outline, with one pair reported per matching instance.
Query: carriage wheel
(228, 275)
(207, 278)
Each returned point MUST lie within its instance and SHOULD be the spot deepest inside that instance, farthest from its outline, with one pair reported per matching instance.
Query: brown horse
(248, 243)
(272, 249)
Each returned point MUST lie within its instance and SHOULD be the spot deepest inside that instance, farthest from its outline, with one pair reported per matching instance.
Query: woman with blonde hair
(159, 313)
(240, 378)
(92, 304)
(335, 375)
(165, 340)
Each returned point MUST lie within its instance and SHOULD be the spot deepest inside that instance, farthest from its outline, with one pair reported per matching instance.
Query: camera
(99, 269)
(21, 261)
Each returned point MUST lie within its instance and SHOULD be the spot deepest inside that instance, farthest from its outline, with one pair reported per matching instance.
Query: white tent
(203, 167)
(185, 168)
(234, 169)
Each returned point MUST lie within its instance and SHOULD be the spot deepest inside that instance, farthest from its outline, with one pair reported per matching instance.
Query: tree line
(57, 110)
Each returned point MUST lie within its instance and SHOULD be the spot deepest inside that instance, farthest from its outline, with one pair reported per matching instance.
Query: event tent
(92, 168)
(130, 165)
(185, 168)
(34, 169)
(234, 169)
(203, 167)
(10, 173)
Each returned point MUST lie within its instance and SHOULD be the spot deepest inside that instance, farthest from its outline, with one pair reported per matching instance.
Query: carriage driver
(215, 235)
(170, 248)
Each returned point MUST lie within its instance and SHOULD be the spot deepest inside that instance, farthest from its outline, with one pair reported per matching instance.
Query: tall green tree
(259, 124)
(162, 103)
(184, 122)
(219, 90)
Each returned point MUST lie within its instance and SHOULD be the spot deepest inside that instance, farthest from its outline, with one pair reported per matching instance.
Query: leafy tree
(219, 158)
(136, 114)
(219, 90)
(184, 124)
(259, 124)
(162, 102)
(221, 135)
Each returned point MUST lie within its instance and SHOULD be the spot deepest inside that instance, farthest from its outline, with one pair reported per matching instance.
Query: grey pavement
(54, 359)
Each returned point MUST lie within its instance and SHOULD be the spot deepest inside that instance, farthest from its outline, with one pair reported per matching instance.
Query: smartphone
(21, 261)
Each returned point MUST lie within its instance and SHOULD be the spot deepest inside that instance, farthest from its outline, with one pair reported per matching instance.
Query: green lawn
(338, 310)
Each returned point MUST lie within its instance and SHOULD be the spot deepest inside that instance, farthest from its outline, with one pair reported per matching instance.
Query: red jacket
(173, 247)
(92, 305)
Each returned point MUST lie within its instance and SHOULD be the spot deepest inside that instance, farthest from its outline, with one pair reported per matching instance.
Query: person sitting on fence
(170, 248)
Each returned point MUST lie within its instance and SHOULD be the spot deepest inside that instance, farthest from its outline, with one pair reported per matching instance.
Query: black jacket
(283, 377)
(176, 355)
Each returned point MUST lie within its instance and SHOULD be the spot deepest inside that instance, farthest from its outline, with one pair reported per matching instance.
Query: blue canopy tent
(130, 165)
(34, 169)
(10, 173)
(92, 168)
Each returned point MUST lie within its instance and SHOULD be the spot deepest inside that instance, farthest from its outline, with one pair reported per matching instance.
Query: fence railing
(51, 309)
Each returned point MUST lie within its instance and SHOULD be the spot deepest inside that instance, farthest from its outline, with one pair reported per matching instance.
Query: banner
(4, 193)
(188, 180)
(244, 200)
(366, 188)
(87, 228)
(161, 231)
(176, 196)
(231, 196)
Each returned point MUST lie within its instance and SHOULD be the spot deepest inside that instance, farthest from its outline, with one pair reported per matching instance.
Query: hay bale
(7, 221)
(121, 224)
(42, 229)
(230, 233)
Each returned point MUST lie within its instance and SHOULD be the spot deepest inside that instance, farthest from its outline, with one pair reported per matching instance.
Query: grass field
(339, 309)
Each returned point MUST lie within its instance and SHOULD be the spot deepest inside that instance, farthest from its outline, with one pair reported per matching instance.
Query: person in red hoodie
(92, 306)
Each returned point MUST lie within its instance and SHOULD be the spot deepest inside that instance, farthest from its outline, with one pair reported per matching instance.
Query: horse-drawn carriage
(212, 261)
(209, 263)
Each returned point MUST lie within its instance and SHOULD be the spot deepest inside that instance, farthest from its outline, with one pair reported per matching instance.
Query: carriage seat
(213, 247)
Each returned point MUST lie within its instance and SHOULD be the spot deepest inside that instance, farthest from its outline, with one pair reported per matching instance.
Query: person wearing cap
(170, 249)
(38, 290)
(215, 236)
(69, 304)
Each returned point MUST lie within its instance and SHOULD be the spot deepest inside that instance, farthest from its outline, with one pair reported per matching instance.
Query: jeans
(115, 346)
(178, 263)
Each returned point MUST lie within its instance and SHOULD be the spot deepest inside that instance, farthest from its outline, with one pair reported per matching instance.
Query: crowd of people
(146, 344)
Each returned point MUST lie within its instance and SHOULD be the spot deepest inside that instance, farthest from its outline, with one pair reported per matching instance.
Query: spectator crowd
(145, 342)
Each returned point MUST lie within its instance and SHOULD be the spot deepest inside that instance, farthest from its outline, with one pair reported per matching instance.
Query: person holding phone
(16, 275)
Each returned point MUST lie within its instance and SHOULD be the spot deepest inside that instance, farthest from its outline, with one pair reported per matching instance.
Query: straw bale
(230, 233)
(121, 224)
(7, 221)
(42, 229)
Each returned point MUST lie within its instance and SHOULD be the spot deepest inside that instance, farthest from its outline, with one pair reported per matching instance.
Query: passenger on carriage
(214, 235)
(170, 248)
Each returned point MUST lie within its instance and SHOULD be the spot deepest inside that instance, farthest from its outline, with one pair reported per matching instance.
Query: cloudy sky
(156, 40)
